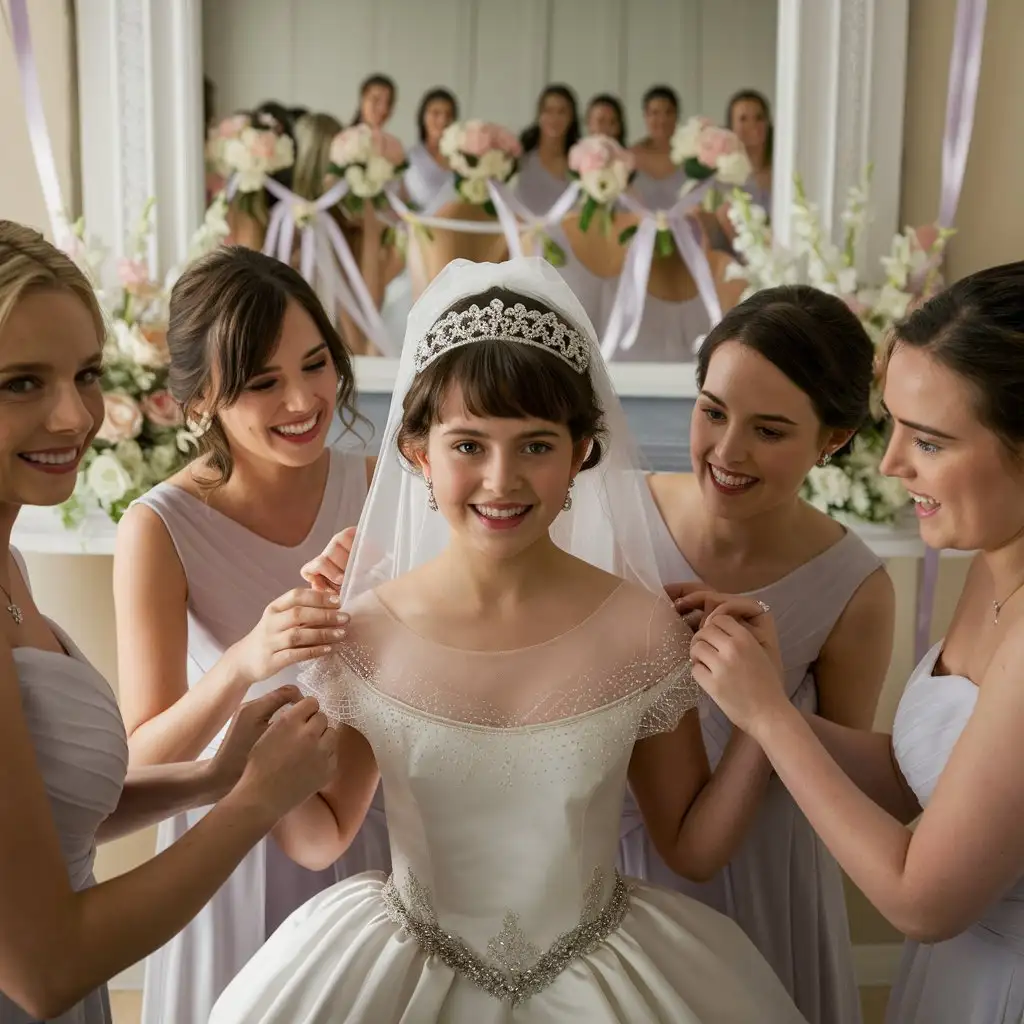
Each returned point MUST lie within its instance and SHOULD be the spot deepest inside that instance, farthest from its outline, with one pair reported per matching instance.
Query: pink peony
(596, 153)
(161, 410)
(263, 145)
(122, 418)
(714, 143)
(232, 126)
(477, 138)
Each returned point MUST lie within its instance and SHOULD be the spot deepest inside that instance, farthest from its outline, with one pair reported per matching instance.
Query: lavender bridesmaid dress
(658, 193)
(978, 976)
(536, 187)
(82, 754)
(782, 887)
(233, 574)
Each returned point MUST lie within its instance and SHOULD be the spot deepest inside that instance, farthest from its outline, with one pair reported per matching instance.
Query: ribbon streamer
(517, 220)
(324, 255)
(39, 137)
(964, 72)
(631, 295)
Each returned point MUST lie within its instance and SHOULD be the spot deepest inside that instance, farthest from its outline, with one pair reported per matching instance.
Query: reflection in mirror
(360, 114)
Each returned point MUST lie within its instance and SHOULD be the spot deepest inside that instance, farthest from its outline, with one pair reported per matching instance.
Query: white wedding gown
(505, 904)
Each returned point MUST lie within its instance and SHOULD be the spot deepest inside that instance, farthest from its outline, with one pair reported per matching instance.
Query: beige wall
(991, 221)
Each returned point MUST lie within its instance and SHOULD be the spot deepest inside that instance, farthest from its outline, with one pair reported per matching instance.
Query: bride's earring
(431, 500)
(567, 504)
(826, 458)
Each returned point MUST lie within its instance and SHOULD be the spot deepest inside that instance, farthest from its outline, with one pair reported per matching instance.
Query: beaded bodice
(504, 776)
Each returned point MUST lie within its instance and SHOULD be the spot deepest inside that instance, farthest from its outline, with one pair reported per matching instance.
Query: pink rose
(714, 143)
(122, 418)
(507, 142)
(134, 276)
(232, 126)
(263, 145)
(926, 236)
(476, 139)
(161, 410)
(597, 153)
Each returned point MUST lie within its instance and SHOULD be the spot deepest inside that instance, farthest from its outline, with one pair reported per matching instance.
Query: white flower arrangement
(143, 439)
(704, 150)
(247, 153)
(851, 488)
(479, 152)
(604, 170)
(368, 159)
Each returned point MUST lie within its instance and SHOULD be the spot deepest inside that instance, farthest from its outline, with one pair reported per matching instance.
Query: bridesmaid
(658, 180)
(784, 383)
(63, 753)
(544, 167)
(377, 95)
(429, 176)
(205, 571)
(955, 883)
(605, 116)
(749, 116)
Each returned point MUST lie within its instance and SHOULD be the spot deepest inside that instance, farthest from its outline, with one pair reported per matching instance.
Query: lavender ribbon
(964, 72)
(39, 137)
(631, 295)
(324, 252)
(516, 219)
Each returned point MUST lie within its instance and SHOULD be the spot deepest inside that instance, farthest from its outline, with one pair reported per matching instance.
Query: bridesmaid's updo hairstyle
(814, 339)
(503, 380)
(438, 95)
(226, 315)
(976, 329)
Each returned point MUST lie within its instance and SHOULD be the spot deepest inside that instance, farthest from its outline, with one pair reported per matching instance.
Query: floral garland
(143, 439)
(851, 487)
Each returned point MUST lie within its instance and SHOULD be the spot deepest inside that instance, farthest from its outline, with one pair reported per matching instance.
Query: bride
(505, 685)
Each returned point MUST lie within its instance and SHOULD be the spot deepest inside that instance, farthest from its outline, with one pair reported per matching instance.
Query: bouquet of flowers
(367, 159)
(479, 152)
(604, 170)
(143, 439)
(244, 155)
(851, 487)
(703, 149)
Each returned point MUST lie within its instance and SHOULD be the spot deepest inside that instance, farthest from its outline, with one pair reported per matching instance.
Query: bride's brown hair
(504, 380)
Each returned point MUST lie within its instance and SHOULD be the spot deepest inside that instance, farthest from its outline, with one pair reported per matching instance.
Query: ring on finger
(764, 606)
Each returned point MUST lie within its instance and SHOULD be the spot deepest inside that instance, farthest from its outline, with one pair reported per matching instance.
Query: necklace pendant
(15, 613)
(996, 608)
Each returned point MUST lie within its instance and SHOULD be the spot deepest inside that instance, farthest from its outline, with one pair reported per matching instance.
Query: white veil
(607, 525)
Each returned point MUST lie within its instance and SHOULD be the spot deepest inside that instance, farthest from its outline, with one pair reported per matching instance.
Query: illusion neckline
(540, 645)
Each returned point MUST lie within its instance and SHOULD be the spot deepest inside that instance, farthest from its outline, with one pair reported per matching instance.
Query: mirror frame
(841, 78)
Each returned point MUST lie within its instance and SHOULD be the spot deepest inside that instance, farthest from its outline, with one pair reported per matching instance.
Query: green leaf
(489, 209)
(627, 233)
(554, 253)
(587, 213)
(696, 170)
(664, 243)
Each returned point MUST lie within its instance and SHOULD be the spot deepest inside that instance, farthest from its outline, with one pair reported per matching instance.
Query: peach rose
(122, 418)
(714, 143)
(161, 410)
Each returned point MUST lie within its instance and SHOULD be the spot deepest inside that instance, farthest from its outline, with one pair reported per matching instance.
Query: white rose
(451, 140)
(379, 172)
(493, 164)
(684, 140)
(892, 492)
(832, 484)
(358, 182)
(108, 479)
(474, 190)
(860, 498)
(163, 460)
(734, 168)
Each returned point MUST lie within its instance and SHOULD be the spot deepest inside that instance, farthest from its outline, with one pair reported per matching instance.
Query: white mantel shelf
(40, 531)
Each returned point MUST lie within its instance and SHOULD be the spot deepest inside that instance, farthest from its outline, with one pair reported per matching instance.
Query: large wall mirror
(829, 70)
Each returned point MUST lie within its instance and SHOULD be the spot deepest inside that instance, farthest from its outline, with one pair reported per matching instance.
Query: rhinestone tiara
(498, 322)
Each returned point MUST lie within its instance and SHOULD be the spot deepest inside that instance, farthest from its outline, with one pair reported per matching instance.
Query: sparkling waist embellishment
(514, 968)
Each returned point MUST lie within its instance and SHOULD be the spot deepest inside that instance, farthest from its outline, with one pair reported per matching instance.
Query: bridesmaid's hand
(327, 570)
(738, 671)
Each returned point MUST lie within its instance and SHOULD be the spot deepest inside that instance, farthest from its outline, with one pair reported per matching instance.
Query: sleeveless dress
(536, 187)
(977, 977)
(782, 886)
(505, 905)
(658, 193)
(233, 574)
(429, 186)
(82, 753)
(424, 178)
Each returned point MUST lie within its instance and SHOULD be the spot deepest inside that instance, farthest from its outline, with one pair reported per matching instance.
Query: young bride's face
(500, 483)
